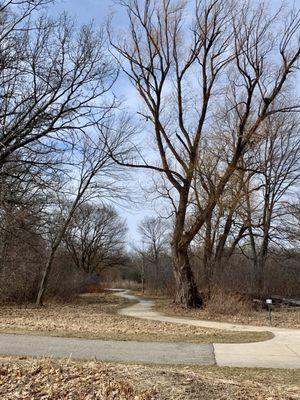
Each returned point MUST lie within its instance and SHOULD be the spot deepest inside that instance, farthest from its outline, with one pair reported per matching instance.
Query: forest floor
(27, 378)
(94, 316)
(281, 317)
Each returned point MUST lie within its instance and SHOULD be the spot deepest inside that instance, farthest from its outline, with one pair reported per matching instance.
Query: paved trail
(107, 350)
(281, 352)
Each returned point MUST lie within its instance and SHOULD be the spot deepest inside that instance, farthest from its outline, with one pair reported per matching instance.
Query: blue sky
(98, 10)
(86, 10)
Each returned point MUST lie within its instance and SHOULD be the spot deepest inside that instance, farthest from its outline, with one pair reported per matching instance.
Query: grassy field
(70, 380)
(95, 316)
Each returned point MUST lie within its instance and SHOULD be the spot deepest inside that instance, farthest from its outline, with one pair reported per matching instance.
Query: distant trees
(277, 174)
(34, 219)
(96, 238)
(155, 244)
(221, 75)
(291, 226)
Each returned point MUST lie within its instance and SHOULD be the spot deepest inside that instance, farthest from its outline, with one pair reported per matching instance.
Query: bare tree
(53, 77)
(153, 231)
(95, 238)
(23, 201)
(219, 70)
(291, 224)
(14, 16)
(138, 261)
(96, 176)
(278, 172)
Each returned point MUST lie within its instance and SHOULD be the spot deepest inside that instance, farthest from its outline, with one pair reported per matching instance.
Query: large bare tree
(217, 66)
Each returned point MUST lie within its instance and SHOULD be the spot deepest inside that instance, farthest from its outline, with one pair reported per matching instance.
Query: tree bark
(208, 255)
(55, 246)
(45, 278)
(186, 289)
(259, 275)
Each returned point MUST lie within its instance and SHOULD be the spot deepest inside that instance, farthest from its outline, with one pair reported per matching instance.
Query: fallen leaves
(51, 380)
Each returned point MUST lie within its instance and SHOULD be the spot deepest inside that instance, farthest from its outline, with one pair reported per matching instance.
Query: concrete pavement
(107, 350)
(283, 351)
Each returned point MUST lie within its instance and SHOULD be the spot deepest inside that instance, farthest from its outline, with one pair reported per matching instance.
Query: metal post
(269, 304)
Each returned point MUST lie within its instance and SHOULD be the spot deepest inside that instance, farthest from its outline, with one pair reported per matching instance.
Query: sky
(86, 10)
(98, 10)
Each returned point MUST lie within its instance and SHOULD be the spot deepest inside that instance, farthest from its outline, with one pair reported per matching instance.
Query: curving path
(283, 351)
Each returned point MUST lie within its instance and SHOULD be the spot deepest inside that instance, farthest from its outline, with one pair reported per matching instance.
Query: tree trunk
(143, 275)
(207, 256)
(223, 239)
(186, 289)
(258, 278)
(259, 275)
(3, 251)
(45, 278)
(55, 246)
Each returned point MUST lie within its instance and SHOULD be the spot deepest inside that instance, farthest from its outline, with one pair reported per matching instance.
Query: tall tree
(192, 63)
(277, 174)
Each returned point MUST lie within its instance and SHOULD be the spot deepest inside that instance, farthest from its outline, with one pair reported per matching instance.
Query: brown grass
(228, 303)
(95, 316)
(233, 308)
(63, 380)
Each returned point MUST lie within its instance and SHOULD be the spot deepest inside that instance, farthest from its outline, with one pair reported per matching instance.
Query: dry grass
(62, 380)
(94, 316)
(232, 308)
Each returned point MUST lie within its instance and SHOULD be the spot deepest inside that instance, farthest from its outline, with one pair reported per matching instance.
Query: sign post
(269, 305)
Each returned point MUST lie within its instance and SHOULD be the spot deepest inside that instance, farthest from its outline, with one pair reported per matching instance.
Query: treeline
(93, 242)
(234, 272)
(58, 131)
(216, 128)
